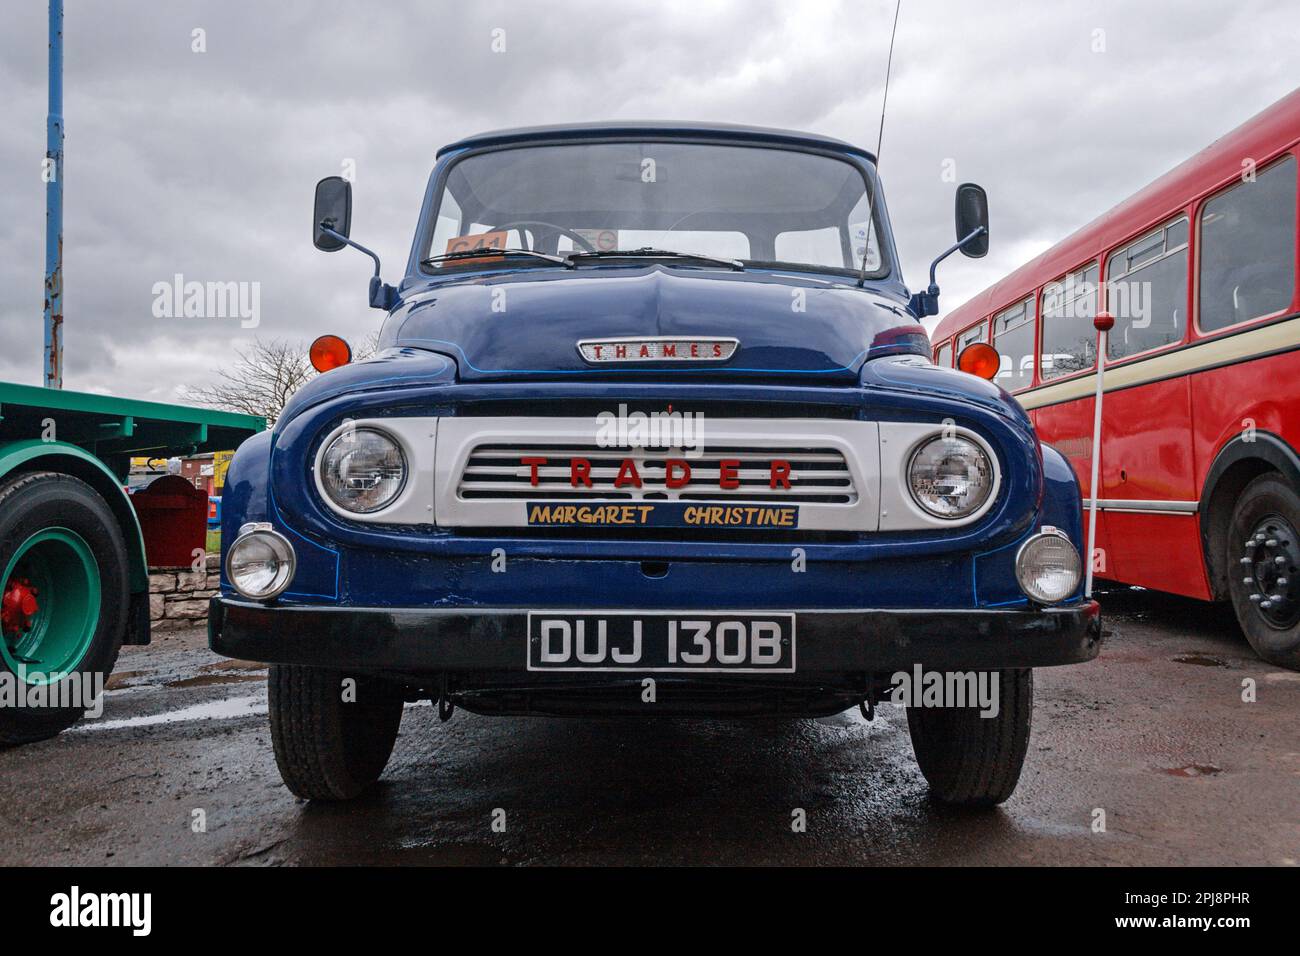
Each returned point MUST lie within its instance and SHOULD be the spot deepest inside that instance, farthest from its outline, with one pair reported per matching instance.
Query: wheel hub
(50, 597)
(1271, 562)
(18, 606)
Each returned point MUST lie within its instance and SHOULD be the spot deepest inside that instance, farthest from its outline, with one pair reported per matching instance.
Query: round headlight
(260, 564)
(1048, 568)
(363, 470)
(950, 476)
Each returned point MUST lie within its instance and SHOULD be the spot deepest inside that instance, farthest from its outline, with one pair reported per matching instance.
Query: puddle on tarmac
(214, 710)
(207, 680)
(233, 665)
(119, 680)
(1193, 770)
(1201, 660)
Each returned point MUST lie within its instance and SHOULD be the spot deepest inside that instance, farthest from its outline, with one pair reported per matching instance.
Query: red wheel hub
(18, 606)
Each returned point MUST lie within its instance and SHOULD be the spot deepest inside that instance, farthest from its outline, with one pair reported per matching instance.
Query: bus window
(1248, 236)
(943, 355)
(1069, 339)
(976, 333)
(1146, 291)
(1013, 337)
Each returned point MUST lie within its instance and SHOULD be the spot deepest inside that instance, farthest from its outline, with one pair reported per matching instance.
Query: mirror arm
(927, 302)
(975, 234)
(382, 295)
(346, 241)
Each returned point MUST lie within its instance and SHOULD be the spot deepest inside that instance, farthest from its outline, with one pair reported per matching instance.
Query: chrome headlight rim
(990, 493)
(339, 507)
(265, 531)
(1046, 533)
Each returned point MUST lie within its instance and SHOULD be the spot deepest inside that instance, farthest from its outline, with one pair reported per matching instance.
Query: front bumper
(425, 641)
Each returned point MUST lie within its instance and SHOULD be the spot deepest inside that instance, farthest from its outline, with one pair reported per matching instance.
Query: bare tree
(264, 375)
(366, 347)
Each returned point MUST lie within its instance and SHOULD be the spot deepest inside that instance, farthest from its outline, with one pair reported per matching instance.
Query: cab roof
(656, 128)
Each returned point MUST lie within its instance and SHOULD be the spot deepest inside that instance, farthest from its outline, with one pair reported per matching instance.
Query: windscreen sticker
(482, 240)
(602, 240)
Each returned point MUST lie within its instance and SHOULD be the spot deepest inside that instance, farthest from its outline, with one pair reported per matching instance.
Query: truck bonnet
(528, 323)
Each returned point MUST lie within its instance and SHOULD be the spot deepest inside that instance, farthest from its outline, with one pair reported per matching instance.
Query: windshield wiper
(648, 252)
(485, 253)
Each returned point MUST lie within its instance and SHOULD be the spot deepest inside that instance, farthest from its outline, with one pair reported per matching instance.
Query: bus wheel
(63, 601)
(1264, 568)
(332, 733)
(973, 760)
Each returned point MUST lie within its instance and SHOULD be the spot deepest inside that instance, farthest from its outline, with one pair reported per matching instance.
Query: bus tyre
(332, 733)
(970, 760)
(1264, 568)
(63, 600)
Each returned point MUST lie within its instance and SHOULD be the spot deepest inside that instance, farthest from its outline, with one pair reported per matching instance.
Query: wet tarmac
(1154, 735)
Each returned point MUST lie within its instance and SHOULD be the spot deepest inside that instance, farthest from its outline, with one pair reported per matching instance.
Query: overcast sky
(203, 163)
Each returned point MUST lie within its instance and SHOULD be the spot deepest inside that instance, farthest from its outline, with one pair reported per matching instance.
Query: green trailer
(73, 563)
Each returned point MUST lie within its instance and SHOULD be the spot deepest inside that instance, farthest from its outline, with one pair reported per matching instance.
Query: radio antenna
(880, 139)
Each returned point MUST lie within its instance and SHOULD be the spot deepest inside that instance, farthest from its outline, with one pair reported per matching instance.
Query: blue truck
(652, 429)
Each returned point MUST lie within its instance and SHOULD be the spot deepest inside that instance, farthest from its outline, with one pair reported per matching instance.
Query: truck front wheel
(973, 759)
(332, 732)
(63, 601)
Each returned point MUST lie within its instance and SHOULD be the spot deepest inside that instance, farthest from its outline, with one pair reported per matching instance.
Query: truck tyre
(329, 748)
(64, 596)
(1263, 556)
(975, 761)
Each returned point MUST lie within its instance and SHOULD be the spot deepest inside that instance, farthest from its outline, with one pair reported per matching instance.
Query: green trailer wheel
(49, 605)
(64, 600)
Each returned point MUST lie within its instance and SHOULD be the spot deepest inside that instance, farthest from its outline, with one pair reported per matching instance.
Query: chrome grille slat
(546, 471)
(817, 474)
(543, 490)
(658, 454)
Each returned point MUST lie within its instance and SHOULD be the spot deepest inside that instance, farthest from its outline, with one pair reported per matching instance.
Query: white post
(1103, 323)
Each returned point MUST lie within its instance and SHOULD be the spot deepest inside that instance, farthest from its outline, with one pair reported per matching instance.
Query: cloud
(203, 163)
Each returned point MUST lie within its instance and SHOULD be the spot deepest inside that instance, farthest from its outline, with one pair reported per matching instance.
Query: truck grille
(816, 474)
(485, 481)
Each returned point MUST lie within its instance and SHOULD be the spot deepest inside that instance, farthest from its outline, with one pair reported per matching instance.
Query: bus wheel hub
(1272, 563)
(18, 606)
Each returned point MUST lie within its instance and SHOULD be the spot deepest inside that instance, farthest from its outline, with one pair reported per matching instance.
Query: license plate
(747, 642)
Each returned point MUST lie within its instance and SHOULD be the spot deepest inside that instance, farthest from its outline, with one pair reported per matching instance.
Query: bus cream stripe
(1233, 348)
(1145, 506)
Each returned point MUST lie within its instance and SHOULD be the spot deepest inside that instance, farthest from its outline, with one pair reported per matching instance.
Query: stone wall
(179, 596)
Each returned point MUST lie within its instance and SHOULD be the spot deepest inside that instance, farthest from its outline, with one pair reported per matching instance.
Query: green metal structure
(94, 438)
(69, 596)
(116, 429)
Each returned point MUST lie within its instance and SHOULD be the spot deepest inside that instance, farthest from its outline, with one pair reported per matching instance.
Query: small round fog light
(1048, 567)
(260, 564)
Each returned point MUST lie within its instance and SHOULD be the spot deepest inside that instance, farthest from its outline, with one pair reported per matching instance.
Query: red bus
(1200, 477)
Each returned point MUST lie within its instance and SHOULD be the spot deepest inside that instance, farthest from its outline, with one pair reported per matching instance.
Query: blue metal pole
(53, 173)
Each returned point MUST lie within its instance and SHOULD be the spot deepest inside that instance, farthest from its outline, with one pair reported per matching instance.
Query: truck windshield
(776, 207)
